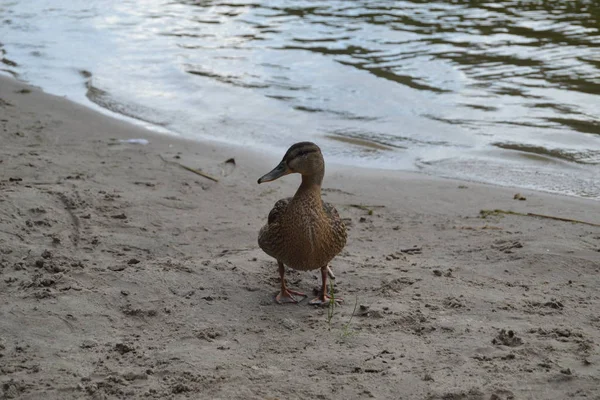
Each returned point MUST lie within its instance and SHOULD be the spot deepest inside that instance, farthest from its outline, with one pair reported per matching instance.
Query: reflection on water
(503, 91)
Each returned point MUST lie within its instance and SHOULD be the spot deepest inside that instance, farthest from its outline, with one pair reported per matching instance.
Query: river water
(506, 92)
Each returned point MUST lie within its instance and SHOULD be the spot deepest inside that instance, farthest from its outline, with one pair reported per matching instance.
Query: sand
(123, 275)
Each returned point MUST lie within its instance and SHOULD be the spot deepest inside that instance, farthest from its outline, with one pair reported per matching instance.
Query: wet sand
(124, 275)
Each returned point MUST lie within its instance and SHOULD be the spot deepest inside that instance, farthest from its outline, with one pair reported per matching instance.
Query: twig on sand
(364, 207)
(562, 219)
(485, 213)
(412, 250)
(330, 273)
(58, 182)
(195, 171)
(198, 172)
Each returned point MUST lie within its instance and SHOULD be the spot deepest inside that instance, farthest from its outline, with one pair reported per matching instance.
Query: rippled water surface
(504, 92)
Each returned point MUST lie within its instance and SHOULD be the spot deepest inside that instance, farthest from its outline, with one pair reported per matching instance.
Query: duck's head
(304, 158)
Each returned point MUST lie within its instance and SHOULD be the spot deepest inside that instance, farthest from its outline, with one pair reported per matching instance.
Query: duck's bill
(277, 172)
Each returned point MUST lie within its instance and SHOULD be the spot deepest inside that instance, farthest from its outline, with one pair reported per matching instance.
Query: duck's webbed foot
(289, 296)
(325, 301)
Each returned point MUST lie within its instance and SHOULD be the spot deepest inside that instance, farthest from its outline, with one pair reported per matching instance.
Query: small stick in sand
(562, 219)
(198, 172)
(330, 273)
(364, 207)
(195, 171)
(485, 213)
(412, 250)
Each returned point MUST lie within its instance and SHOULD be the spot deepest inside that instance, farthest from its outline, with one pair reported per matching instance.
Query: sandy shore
(126, 276)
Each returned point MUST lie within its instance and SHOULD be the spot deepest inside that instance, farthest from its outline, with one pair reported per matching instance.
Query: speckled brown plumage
(302, 232)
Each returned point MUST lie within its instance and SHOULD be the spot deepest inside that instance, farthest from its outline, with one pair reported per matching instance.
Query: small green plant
(331, 305)
(346, 331)
(486, 213)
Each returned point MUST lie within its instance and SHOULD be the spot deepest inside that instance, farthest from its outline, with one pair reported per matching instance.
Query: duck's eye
(304, 153)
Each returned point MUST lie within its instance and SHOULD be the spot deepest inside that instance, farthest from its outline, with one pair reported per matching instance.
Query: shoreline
(155, 129)
(127, 276)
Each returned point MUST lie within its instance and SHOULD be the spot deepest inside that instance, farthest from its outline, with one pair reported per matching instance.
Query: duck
(302, 232)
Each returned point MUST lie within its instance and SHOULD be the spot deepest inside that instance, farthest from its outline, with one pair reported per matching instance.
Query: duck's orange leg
(286, 295)
(323, 298)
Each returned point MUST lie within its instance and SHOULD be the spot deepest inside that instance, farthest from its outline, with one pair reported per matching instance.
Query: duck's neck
(310, 186)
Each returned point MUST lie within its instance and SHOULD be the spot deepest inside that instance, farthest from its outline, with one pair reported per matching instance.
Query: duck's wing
(278, 209)
(331, 211)
(339, 228)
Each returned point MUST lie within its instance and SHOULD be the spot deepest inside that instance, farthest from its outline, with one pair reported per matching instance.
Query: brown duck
(302, 232)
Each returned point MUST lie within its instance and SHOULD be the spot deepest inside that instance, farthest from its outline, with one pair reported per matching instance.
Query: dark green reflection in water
(508, 50)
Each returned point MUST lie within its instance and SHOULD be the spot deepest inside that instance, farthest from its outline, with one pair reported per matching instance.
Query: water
(504, 92)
